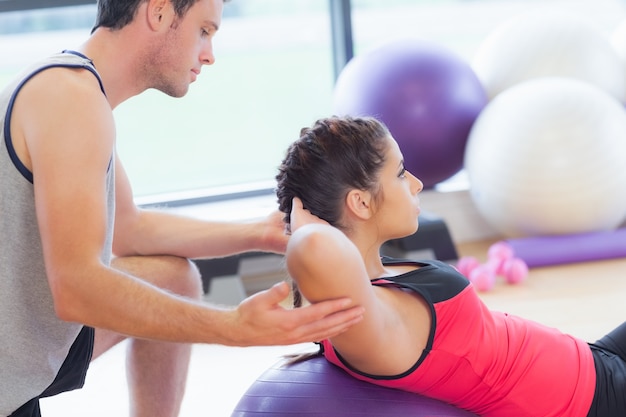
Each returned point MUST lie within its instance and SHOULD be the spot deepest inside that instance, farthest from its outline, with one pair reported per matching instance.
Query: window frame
(19, 5)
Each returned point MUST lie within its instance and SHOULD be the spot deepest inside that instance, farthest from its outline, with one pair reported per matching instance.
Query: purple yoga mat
(555, 250)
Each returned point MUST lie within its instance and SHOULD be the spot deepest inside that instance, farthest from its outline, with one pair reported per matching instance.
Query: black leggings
(609, 355)
(71, 375)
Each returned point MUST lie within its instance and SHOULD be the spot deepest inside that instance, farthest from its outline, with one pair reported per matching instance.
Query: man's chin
(176, 92)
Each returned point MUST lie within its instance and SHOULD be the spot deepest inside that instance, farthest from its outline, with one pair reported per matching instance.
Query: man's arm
(65, 134)
(150, 232)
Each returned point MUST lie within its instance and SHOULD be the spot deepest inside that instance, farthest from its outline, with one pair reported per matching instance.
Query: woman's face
(397, 206)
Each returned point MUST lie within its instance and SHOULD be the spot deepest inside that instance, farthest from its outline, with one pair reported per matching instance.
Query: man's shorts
(71, 375)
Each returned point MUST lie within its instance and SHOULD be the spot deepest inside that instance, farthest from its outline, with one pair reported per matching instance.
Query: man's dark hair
(115, 14)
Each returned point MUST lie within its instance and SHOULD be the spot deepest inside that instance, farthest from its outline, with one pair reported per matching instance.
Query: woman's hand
(300, 216)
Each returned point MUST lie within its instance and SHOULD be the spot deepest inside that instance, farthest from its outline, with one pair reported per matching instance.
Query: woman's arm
(327, 265)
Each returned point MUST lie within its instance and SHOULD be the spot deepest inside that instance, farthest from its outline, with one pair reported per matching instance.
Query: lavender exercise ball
(426, 95)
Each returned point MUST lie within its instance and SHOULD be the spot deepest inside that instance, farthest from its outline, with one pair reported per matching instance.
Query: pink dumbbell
(501, 262)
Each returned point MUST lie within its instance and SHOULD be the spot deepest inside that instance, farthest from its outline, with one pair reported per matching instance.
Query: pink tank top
(489, 363)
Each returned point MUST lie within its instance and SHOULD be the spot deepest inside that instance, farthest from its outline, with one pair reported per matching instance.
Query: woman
(345, 191)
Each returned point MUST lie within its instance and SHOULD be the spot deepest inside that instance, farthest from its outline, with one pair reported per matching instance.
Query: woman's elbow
(316, 249)
(311, 242)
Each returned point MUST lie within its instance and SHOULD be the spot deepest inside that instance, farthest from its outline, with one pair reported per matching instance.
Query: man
(78, 254)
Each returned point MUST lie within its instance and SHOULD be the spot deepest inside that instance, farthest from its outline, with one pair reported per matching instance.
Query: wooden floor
(583, 299)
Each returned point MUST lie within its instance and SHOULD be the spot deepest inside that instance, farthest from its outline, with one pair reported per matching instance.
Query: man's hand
(262, 321)
(274, 234)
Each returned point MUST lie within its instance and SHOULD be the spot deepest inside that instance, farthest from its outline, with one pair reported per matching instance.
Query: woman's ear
(359, 203)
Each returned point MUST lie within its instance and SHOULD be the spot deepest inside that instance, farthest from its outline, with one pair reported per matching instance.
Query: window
(460, 25)
(273, 75)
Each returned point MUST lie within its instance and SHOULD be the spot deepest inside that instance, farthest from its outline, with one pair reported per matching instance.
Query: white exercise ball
(546, 157)
(618, 40)
(549, 44)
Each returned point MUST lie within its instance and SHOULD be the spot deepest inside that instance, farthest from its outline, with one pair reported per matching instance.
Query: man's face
(185, 48)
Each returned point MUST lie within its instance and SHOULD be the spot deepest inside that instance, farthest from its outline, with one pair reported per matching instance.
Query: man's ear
(359, 203)
(159, 14)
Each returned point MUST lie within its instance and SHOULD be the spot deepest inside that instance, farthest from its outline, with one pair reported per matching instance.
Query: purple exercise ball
(427, 96)
(315, 388)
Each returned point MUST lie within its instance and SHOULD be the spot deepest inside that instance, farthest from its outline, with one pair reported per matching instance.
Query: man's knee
(178, 275)
(194, 279)
(189, 280)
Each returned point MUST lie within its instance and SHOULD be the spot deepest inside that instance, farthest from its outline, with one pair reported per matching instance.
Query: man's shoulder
(60, 77)
(62, 70)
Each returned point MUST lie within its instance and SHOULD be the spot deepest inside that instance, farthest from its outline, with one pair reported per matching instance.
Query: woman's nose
(417, 184)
